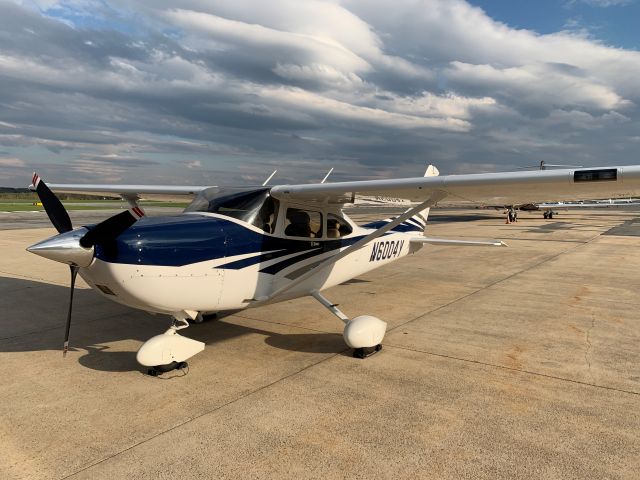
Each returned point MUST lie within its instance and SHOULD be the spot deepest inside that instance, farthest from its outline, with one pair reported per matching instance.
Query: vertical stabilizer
(421, 218)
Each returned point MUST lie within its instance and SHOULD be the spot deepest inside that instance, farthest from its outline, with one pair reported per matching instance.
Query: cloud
(191, 163)
(11, 162)
(189, 87)
(600, 3)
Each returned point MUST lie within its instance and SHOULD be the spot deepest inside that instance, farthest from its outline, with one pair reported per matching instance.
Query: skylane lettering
(385, 250)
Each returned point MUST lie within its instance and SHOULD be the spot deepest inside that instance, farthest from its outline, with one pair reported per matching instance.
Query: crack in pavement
(589, 345)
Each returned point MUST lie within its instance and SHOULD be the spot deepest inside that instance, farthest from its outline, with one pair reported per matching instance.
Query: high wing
(131, 192)
(506, 188)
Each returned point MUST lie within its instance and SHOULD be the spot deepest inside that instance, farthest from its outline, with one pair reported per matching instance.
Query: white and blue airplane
(237, 248)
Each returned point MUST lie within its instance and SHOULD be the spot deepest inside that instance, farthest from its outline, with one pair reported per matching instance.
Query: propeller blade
(110, 228)
(74, 274)
(52, 205)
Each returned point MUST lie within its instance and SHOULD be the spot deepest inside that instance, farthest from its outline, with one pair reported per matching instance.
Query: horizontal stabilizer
(460, 243)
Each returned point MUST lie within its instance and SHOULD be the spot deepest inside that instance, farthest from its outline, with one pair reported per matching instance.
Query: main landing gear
(168, 351)
(160, 369)
(364, 333)
(366, 352)
(548, 214)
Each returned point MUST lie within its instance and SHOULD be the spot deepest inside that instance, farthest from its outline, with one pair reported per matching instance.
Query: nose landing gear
(168, 351)
(160, 369)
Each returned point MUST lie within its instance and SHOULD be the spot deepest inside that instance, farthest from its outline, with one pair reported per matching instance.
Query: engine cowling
(364, 331)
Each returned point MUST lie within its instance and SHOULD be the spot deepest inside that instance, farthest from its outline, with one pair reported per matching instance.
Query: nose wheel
(160, 369)
(366, 351)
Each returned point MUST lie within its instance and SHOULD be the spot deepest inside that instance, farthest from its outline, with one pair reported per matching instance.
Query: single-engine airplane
(236, 248)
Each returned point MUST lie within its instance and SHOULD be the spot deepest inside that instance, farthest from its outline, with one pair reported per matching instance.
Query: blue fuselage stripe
(186, 239)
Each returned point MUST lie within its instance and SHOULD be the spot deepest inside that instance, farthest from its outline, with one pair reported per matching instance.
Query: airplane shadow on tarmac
(38, 325)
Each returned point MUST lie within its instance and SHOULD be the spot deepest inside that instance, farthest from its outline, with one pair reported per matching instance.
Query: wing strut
(431, 201)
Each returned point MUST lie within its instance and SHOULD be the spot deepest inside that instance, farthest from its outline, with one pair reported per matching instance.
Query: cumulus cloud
(600, 3)
(11, 162)
(380, 89)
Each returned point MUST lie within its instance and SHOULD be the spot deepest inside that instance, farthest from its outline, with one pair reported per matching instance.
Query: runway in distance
(242, 247)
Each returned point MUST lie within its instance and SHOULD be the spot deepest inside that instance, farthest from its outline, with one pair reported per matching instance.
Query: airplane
(549, 209)
(243, 247)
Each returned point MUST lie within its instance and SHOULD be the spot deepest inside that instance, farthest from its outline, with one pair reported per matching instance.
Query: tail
(420, 219)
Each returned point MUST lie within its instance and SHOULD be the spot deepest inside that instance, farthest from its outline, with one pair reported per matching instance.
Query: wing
(508, 188)
(154, 192)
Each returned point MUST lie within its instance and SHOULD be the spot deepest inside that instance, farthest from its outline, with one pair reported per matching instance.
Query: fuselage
(204, 262)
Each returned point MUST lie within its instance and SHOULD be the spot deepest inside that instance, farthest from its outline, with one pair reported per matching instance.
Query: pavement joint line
(535, 240)
(246, 317)
(508, 277)
(41, 280)
(48, 329)
(562, 295)
(504, 367)
(587, 351)
(203, 414)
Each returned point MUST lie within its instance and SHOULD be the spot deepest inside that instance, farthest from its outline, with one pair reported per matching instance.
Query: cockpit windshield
(253, 206)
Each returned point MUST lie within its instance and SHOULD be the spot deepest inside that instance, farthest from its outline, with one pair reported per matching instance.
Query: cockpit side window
(303, 223)
(256, 207)
(268, 215)
(337, 226)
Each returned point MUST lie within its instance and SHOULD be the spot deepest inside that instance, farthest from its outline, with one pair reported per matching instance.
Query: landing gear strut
(364, 333)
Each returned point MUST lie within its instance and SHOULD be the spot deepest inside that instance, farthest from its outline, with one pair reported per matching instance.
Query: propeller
(103, 232)
(65, 345)
(111, 228)
(52, 205)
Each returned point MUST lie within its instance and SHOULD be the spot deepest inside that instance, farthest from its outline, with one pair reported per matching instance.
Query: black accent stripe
(273, 269)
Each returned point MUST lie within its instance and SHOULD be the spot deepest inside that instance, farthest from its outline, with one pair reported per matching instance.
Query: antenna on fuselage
(270, 177)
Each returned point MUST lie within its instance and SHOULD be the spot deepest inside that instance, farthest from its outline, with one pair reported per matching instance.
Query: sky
(209, 92)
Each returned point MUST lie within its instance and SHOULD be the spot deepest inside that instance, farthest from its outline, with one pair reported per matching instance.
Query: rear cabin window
(303, 223)
(337, 226)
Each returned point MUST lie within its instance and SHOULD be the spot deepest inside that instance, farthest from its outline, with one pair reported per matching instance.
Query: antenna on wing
(544, 165)
(270, 177)
(327, 175)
